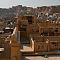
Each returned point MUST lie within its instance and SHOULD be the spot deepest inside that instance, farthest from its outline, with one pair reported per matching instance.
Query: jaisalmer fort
(28, 33)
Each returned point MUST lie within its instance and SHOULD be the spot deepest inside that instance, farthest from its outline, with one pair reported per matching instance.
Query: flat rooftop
(40, 58)
(26, 48)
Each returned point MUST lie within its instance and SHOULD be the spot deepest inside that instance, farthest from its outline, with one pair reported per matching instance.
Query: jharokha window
(29, 18)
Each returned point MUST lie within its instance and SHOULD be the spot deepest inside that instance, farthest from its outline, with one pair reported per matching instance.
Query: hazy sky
(33, 3)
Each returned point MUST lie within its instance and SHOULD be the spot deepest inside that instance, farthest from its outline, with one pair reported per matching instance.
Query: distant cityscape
(42, 13)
